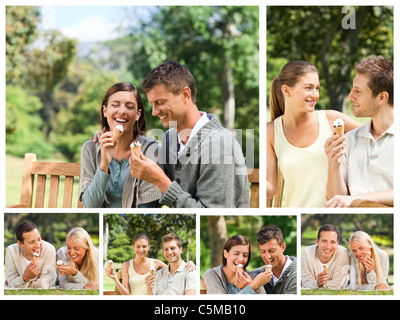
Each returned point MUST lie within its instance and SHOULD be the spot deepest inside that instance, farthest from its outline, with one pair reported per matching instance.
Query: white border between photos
(226, 211)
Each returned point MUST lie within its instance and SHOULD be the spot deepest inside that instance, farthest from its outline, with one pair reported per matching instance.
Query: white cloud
(91, 28)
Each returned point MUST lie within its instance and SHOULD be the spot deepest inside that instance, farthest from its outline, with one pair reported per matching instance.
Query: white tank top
(136, 280)
(305, 170)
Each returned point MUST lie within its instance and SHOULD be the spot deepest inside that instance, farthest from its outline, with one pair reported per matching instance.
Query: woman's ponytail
(276, 101)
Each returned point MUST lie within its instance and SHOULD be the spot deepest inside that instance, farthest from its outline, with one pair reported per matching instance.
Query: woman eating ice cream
(231, 276)
(297, 134)
(369, 265)
(106, 179)
(77, 262)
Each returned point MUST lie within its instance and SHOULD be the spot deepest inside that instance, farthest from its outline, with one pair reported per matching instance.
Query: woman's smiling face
(305, 93)
(75, 252)
(359, 251)
(236, 255)
(122, 108)
(141, 247)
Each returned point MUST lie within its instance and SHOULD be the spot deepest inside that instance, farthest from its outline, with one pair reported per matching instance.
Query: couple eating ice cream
(323, 167)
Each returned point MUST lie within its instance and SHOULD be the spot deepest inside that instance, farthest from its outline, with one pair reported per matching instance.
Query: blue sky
(86, 23)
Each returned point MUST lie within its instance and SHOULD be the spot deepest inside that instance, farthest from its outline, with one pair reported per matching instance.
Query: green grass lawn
(56, 292)
(346, 292)
(14, 167)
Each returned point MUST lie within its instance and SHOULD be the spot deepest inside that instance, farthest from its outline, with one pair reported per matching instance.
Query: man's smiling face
(167, 106)
(172, 252)
(272, 253)
(32, 244)
(364, 104)
(327, 245)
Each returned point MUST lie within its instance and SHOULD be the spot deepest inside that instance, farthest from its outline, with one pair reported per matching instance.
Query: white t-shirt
(199, 124)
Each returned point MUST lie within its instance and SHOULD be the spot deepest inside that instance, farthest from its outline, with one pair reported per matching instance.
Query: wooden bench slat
(68, 190)
(254, 179)
(60, 174)
(40, 191)
(53, 191)
(27, 181)
(56, 168)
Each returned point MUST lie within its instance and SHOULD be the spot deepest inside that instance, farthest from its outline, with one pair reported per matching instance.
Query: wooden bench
(254, 179)
(70, 172)
(39, 171)
(367, 204)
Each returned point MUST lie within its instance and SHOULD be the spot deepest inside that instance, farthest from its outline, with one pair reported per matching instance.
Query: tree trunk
(228, 92)
(218, 236)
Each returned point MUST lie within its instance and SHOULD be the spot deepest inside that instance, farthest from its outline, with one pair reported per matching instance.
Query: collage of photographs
(218, 151)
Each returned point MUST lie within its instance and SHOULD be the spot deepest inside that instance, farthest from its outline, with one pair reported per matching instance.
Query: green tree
(21, 31)
(219, 45)
(155, 226)
(23, 124)
(46, 66)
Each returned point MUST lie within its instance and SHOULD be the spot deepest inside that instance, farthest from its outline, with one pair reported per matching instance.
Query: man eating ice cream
(31, 262)
(281, 268)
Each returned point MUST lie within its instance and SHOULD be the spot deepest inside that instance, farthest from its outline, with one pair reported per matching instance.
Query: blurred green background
(321, 36)
(55, 83)
(53, 227)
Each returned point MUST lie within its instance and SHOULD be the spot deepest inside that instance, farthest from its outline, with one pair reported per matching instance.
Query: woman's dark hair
(140, 125)
(236, 240)
(141, 236)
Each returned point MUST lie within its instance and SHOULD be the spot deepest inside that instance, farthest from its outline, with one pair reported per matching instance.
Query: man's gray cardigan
(287, 283)
(210, 171)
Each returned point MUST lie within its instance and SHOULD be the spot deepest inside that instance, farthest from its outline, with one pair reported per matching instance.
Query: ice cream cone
(117, 131)
(110, 263)
(59, 263)
(268, 267)
(136, 148)
(326, 267)
(152, 271)
(367, 255)
(338, 125)
(239, 268)
(35, 257)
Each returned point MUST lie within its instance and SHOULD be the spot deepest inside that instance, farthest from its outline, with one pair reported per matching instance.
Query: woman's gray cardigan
(216, 283)
(135, 191)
